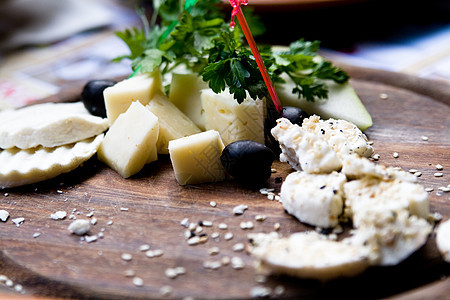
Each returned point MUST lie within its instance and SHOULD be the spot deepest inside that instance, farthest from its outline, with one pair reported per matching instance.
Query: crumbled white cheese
(59, 215)
(4, 215)
(79, 227)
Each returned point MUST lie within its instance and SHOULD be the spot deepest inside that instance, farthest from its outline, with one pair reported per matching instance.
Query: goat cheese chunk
(443, 240)
(130, 143)
(343, 137)
(315, 199)
(391, 235)
(307, 255)
(304, 150)
(20, 167)
(369, 193)
(48, 125)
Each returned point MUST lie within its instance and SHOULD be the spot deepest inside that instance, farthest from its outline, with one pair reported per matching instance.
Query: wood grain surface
(148, 208)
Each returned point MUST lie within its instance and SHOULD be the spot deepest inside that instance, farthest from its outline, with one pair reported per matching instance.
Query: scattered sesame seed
(395, 154)
(207, 223)
(430, 189)
(165, 290)
(144, 247)
(110, 222)
(171, 273)
(18, 221)
(185, 222)
(90, 214)
(260, 218)
(271, 196)
(246, 225)
(129, 273)
(18, 288)
(194, 240)
(237, 263)
(90, 238)
(124, 208)
(192, 226)
(228, 236)
(418, 174)
(137, 281)
(413, 171)
(273, 170)
(59, 191)
(223, 226)
(279, 290)
(238, 247)
(93, 221)
(6, 194)
(203, 239)
(126, 256)
(376, 156)
(180, 270)
(438, 174)
(225, 260)
(276, 226)
(240, 209)
(424, 138)
(260, 278)
(213, 265)
(154, 253)
(213, 203)
(3, 278)
(9, 283)
(4, 215)
(36, 235)
(384, 96)
(215, 235)
(198, 229)
(444, 189)
(213, 251)
(100, 235)
(439, 167)
(260, 292)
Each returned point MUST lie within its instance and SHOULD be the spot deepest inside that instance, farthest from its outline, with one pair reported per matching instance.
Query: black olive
(248, 162)
(92, 96)
(294, 114)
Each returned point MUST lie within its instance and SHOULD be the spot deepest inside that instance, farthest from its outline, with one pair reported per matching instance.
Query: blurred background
(51, 46)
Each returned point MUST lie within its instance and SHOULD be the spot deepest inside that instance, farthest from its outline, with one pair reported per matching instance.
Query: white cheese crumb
(439, 167)
(137, 281)
(237, 263)
(424, 138)
(213, 203)
(59, 215)
(4, 215)
(240, 209)
(438, 174)
(185, 222)
(238, 247)
(395, 155)
(79, 227)
(90, 238)
(18, 221)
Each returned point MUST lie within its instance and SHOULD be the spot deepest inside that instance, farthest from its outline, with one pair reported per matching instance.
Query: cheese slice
(196, 158)
(234, 121)
(48, 125)
(130, 143)
(20, 167)
(173, 123)
(141, 87)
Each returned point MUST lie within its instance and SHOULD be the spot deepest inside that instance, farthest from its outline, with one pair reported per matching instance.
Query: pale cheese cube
(185, 90)
(173, 123)
(130, 143)
(141, 87)
(196, 158)
(315, 199)
(234, 121)
(304, 150)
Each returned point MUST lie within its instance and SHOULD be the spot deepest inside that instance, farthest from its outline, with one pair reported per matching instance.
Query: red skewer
(251, 42)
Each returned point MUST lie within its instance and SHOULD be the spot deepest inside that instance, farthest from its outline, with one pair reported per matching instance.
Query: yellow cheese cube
(232, 120)
(140, 87)
(130, 143)
(185, 94)
(196, 158)
(173, 123)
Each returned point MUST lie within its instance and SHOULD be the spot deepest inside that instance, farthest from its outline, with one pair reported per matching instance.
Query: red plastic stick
(251, 42)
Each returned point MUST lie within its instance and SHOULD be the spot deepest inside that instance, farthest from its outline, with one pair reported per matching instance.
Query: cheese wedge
(48, 125)
(185, 91)
(232, 120)
(173, 123)
(196, 158)
(130, 143)
(20, 167)
(141, 87)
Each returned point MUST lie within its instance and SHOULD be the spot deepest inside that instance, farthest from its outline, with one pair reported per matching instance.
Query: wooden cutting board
(148, 208)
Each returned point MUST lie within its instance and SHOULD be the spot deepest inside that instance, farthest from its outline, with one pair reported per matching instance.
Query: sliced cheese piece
(48, 125)
(234, 121)
(20, 167)
(391, 235)
(315, 199)
(369, 193)
(130, 143)
(304, 150)
(196, 158)
(141, 87)
(443, 240)
(173, 123)
(344, 137)
(307, 255)
(185, 91)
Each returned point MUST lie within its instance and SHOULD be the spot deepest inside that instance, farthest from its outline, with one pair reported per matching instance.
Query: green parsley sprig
(203, 42)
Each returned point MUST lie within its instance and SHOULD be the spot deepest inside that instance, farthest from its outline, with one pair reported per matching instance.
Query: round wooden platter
(148, 208)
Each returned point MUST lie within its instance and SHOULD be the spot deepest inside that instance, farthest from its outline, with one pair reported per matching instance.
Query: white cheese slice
(304, 150)
(196, 158)
(391, 235)
(185, 91)
(130, 143)
(370, 193)
(307, 255)
(173, 123)
(20, 167)
(141, 87)
(315, 199)
(48, 125)
(342, 136)
(443, 240)
(234, 121)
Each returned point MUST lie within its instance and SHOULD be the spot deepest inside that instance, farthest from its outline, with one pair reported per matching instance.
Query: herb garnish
(203, 42)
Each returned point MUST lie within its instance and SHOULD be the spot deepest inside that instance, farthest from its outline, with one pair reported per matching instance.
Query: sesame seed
(271, 196)
(144, 247)
(260, 218)
(418, 174)
(424, 138)
(383, 96)
(192, 226)
(18, 288)
(439, 167)
(395, 154)
(273, 170)
(36, 234)
(237, 263)
(430, 189)
(194, 240)
(9, 283)
(213, 265)
(225, 260)
(247, 225)
(180, 270)
(279, 290)
(3, 278)
(228, 236)
(110, 222)
(223, 226)
(165, 290)
(238, 247)
(198, 229)
(260, 278)
(137, 281)
(90, 238)
(276, 226)
(260, 292)
(90, 214)
(444, 189)
(438, 174)
(154, 253)
(126, 256)
(413, 171)
(171, 273)
(213, 203)
(376, 156)
(207, 223)
(213, 251)
(215, 235)
(185, 222)
(129, 273)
